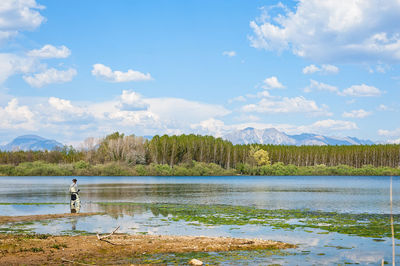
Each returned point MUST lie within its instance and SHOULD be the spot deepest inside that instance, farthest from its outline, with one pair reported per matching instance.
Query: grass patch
(59, 246)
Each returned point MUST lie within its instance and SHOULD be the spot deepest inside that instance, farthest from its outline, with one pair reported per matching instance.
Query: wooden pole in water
(391, 220)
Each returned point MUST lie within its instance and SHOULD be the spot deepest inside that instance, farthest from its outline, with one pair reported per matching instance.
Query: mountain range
(31, 142)
(245, 136)
(273, 136)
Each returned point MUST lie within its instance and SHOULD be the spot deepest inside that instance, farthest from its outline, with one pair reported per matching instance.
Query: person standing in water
(75, 201)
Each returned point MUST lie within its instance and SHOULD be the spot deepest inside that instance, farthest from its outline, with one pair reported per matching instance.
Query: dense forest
(174, 151)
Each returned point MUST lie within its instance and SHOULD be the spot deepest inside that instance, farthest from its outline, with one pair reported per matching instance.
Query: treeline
(183, 149)
(194, 168)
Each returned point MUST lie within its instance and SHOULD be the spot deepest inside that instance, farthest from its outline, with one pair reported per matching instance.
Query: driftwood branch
(103, 238)
(106, 236)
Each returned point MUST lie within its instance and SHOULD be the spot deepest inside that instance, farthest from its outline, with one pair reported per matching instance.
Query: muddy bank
(28, 218)
(121, 248)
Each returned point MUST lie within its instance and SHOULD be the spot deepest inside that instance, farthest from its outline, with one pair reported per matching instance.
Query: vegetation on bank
(191, 155)
(194, 168)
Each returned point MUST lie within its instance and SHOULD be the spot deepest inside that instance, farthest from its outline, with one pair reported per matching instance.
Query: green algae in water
(77, 232)
(363, 225)
(10, 230)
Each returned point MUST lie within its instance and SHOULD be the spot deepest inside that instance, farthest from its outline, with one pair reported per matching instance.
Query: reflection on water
(342, 194)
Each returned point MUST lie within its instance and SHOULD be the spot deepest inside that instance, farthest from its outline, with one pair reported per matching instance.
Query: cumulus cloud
(50, 76)
(132, 101)
(332, 30)
(324, 69)
(11, 64)
(287, 105)
(61, 104)
(18, 15)
(211, 126)
(14, 116)
(361, 91)
(315, 85)
(354, 90)
(105, 72)
(128, 112)
(229, 53)
(182, 112)
(272, 83)
(62, 111)
(356, 114)
(50, 51)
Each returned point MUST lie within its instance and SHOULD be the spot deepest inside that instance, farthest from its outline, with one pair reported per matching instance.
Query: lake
(308, 211)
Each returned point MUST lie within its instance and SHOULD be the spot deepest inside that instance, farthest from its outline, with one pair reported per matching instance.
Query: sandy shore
(40, 250)
(80, 250)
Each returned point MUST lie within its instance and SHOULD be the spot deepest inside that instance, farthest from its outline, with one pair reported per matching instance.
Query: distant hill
(31, 142)
(273, 136)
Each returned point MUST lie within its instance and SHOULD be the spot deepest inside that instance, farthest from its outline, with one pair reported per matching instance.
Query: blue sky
(76, 69)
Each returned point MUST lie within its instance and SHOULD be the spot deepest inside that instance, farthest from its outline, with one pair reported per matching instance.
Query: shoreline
(119, 249)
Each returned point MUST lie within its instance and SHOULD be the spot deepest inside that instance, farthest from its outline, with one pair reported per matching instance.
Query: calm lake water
(352, 195)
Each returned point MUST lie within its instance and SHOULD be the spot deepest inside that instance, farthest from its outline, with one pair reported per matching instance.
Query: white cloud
(18, 15)
(211, 126)
(237, 99)
(229, 53)
(14, 116)
(105, 72)
(356, 114)
(324, 69)
(383, 107)
(287, 105)
(328, 125)
(181, 111)
(161, 115)
(315, 85)
(61, 104)
(11, 64)
(333, 30)
(63, 111)
(272, 83)
(329, 69)
(50, 51)
(311, 69)
(355, 90)
(389, 133)
(50, 76)
(132, 101)
(391, 141)
(361, 91)
(392, 136)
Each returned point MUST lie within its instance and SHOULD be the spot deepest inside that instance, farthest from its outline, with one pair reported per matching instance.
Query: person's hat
(74, 180)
